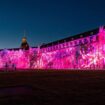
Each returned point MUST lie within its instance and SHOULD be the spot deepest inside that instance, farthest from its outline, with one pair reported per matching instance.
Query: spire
(24, 33)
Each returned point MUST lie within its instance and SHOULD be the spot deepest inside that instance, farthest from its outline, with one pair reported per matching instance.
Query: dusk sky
(47, 20)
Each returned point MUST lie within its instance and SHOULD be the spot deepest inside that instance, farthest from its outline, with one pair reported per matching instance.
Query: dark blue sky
(47, 20)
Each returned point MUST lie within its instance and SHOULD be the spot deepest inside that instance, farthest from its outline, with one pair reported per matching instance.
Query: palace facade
(82, 51)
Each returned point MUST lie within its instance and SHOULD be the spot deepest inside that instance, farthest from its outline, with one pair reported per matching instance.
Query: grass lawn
(52, 87)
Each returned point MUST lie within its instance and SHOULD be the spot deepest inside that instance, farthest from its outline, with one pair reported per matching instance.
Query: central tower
(24, 44)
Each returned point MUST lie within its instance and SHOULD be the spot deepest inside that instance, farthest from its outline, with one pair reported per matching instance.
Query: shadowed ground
(52, 88)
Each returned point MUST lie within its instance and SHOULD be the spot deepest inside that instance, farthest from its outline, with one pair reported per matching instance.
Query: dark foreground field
(52, 88)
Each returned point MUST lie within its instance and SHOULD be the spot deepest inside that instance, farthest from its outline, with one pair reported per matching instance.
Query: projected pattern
(83, 53)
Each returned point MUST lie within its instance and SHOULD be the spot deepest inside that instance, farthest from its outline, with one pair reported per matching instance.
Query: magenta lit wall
(83, 53)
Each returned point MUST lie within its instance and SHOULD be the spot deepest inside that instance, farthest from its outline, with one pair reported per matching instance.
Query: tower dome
(24, 44)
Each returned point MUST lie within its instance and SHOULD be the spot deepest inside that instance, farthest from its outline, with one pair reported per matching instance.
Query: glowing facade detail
(82, 53)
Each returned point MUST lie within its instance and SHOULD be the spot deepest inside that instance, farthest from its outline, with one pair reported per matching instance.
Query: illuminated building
(82, 51)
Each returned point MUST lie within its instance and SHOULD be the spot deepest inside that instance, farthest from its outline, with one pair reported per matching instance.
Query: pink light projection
(83, 53)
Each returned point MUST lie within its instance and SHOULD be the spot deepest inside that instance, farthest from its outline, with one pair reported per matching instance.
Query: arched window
(94, 38)
(85, 41)
(80, 42)
(97, 37)
(62, 45)
(48, 49)
(71, 44)
(91, 39)
(75, 43)
(67, 44)
(53, 47)
(58, 46)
